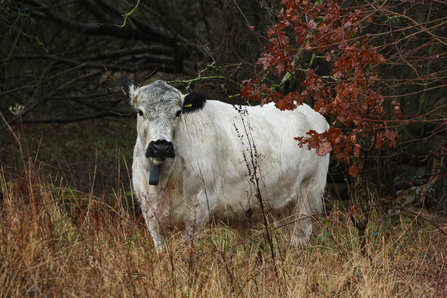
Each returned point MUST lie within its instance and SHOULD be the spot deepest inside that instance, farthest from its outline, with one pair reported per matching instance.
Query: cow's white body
(222, 155)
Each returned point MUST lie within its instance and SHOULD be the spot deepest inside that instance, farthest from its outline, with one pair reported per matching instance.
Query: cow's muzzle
(160, 149)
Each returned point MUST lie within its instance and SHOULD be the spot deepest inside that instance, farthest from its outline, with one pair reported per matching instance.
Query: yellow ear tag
(188, 105)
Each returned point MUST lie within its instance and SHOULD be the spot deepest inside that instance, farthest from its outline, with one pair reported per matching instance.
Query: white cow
(195, 159)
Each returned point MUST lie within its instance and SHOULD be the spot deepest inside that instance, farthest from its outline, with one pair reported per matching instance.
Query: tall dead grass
(56, 242)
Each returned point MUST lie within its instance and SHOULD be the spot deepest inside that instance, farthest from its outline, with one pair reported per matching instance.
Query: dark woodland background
(60, 97)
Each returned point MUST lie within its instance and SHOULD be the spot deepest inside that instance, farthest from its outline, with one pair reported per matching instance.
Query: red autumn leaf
(245, 92)
(338, 148)
(380, 59)
(301, 33)
(354, 209)
(357, 150)
(266, 61)
(337, 75)
(333, 135)
(314, 139)
(271, 32)
(312, 25)
(290, 101)
(301, 141)
(342, 157)
(378, 141)
(354, 170)
(391, 137)
(281, 67)
(324, 148)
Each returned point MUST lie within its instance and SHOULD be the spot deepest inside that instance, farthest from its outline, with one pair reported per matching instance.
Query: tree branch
(75, 119)
(130, 31)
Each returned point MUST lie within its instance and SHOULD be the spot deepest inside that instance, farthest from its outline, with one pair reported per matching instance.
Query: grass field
(61, 235)
(59, 242)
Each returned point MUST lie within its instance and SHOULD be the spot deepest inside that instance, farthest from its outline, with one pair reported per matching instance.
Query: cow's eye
(179, 112)
(140, 112)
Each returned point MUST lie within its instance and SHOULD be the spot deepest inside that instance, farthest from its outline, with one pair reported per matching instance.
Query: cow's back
(234, 150)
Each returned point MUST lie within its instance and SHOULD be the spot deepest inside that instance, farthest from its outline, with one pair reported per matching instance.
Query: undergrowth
(59, 241)
(56, 242)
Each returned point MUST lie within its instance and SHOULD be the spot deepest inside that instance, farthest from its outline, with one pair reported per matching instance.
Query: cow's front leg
(198, 217)
(153, 221)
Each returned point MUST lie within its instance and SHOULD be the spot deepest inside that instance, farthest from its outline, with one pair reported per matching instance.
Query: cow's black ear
(127, 86)
(193, 102)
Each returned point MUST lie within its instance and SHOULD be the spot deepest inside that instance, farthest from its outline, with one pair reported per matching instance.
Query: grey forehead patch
(160, 91)
(158, 87)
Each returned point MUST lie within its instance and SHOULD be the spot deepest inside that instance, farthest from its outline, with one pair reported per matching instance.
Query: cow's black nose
(161, 149)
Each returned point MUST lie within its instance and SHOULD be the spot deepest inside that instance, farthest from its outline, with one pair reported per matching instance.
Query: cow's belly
(235, 207)
(250, 212)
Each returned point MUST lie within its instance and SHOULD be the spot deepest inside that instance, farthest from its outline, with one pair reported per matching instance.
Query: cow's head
(159, 107)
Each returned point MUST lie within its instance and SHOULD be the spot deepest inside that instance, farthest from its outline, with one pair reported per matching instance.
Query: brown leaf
(354, 170)
(324, 148)
(333, 135)
(357, 150)
(312, 25)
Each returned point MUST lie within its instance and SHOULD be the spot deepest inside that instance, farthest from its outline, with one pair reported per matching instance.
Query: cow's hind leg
(299, 228)
(297, 221)
(295, 225)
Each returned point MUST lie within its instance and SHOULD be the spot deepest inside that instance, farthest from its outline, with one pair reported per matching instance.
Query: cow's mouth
(158, 151)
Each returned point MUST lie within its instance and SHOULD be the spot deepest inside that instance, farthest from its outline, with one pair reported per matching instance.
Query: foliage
(360, 63)
(349, 96)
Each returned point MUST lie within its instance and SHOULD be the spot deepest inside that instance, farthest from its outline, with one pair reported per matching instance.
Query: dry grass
(55, 242)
